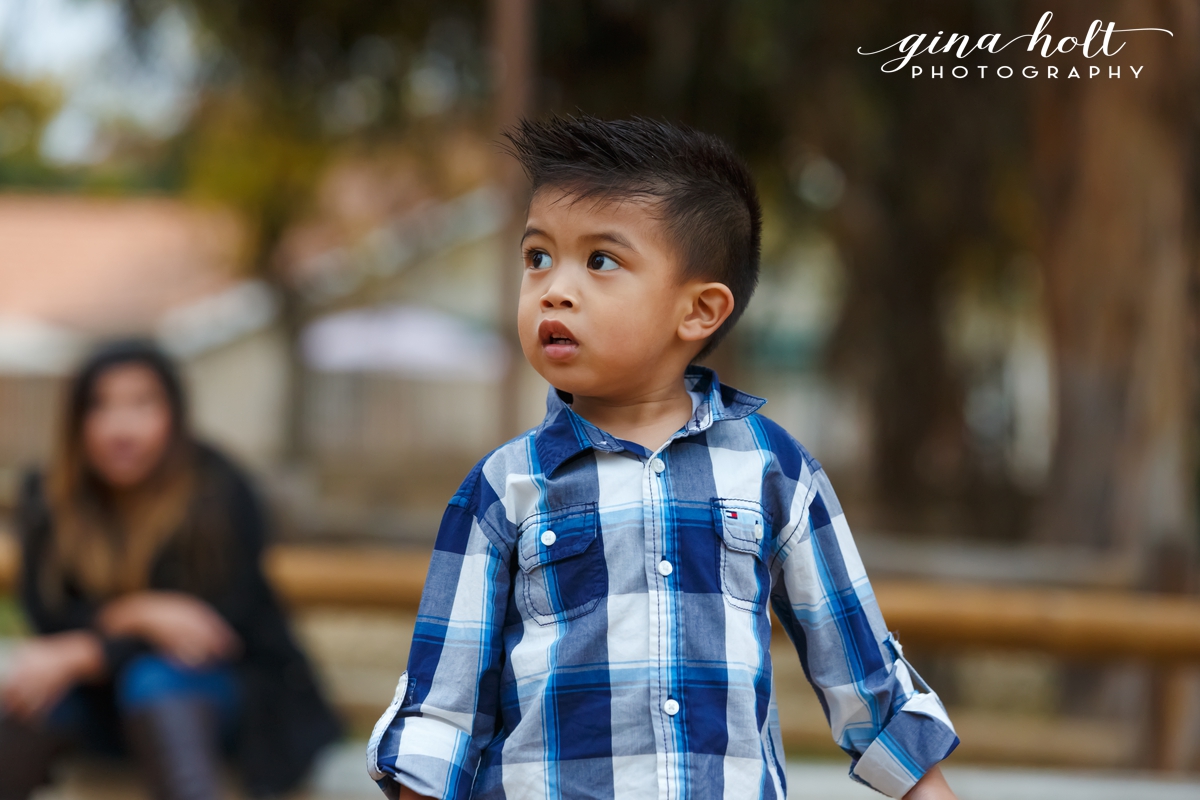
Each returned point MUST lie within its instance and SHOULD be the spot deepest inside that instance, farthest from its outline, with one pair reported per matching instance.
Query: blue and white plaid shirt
(595, 623)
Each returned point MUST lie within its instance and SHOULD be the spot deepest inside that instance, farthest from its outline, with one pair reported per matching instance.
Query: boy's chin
(569, 378)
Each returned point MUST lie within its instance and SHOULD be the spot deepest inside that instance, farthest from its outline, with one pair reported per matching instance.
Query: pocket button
(548, 538)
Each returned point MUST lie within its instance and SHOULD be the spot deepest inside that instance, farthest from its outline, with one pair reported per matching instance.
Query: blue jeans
(92, 714)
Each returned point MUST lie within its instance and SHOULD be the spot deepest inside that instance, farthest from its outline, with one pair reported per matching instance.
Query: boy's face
(602, 297)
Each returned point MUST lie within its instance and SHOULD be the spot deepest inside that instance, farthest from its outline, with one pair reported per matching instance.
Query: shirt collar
(564, 434)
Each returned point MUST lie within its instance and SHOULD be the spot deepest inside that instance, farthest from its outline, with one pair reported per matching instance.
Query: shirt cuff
(423, 762)
(918, 737)
(418, 751)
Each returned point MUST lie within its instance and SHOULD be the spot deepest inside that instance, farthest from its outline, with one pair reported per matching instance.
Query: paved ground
(343, 775)
(824, 781)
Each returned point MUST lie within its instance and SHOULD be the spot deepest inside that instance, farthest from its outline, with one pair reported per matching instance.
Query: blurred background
(977, 306)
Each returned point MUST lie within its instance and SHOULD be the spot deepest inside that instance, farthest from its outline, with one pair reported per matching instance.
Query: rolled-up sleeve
(893, 732)
(445, 708)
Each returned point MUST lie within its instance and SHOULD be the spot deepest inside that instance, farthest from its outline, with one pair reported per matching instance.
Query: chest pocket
(561, 554)
(744, 530)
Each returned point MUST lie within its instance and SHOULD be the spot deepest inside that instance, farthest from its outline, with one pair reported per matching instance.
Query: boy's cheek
(638, 332)
(527, 321)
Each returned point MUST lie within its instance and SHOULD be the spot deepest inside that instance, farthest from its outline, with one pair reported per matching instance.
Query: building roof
(107, 266)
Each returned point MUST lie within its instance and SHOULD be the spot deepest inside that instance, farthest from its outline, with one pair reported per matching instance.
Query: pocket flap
(742, 523)
(551, 536)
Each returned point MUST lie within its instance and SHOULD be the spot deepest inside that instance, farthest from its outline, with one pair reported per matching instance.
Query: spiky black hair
(707, 195)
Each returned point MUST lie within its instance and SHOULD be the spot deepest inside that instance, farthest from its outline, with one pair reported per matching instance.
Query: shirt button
(758, 530)
(671, 707)
(548, 538)
(665, 568)
(657, 465)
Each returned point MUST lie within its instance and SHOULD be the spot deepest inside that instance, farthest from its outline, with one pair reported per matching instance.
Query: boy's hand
(407, 794)
(931, 787)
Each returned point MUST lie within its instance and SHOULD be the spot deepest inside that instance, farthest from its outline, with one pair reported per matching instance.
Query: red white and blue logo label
(731, 514)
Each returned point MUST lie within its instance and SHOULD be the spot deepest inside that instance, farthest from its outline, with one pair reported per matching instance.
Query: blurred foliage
(291, 82)
(234, 157)
(293, 55)
(138, 164)
(24, 112)
(12, 619)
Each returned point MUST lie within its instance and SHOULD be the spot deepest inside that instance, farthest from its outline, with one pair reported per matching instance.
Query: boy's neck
(647, 417)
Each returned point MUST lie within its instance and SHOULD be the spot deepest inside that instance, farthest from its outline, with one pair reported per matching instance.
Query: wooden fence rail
(1100, 625)
(1072, 623)
(1067, 622)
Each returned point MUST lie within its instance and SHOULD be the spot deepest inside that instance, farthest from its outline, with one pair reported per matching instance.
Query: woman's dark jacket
(284, 720)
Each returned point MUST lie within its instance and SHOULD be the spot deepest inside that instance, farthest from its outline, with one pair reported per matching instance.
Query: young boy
(594, 622)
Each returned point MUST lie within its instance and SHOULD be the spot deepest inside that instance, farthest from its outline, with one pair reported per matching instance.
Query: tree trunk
(1115, 172)
(513, 39)
(295, 439)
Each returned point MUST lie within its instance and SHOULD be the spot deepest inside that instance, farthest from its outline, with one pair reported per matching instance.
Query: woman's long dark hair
(106, 551)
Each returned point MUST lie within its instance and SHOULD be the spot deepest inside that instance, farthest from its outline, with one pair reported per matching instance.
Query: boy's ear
(711, 304)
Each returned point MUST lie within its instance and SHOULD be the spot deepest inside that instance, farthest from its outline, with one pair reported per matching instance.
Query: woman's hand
(46, 668)
(932, 786)
(180, 626)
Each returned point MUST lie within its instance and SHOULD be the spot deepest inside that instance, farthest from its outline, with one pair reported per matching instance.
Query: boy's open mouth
(558, 343)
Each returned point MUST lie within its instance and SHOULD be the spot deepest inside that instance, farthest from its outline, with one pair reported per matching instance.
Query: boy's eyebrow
(603, 236)
(615, 238)
(532, 232)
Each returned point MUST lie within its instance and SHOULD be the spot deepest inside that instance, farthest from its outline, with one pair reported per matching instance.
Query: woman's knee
(151, 679)
(146, 679)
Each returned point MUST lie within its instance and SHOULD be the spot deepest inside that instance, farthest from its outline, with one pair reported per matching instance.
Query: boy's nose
(551, 300)
(560, 293)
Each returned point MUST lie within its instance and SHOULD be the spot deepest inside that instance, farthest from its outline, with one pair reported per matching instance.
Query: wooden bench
(1070, 623)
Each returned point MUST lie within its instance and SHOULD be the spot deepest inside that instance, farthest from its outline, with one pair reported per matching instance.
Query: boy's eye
(601, 263)
(540, 260)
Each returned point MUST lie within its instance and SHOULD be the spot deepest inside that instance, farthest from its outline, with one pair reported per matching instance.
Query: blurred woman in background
(158, 635)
